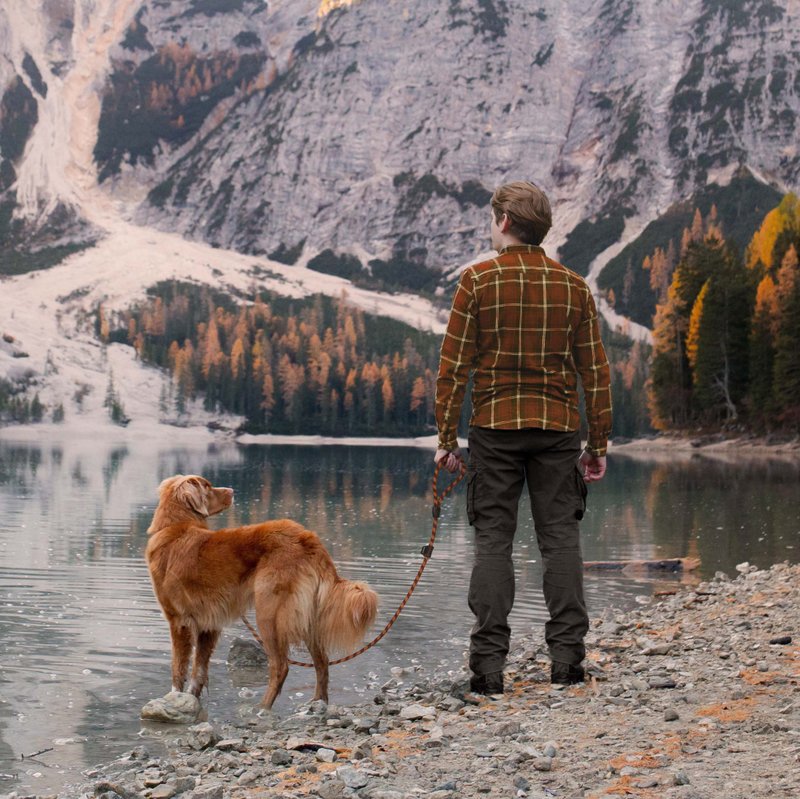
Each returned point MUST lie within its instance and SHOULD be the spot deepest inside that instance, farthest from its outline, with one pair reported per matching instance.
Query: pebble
(661, 682)
(326, 755)
(670, 714)
(680, 778)
(280, 757)
(352, 778)
(414, 712)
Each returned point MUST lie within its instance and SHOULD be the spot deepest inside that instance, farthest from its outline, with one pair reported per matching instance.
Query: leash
(426, 553)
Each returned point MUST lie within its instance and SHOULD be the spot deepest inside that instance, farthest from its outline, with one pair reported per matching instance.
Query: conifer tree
(717, 345)
(762, 348)
(787, 341)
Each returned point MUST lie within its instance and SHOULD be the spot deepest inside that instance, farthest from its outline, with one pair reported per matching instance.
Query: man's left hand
(594, 466)
(451, 460)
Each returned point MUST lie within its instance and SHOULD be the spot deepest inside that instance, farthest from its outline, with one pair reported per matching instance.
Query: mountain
(290, 128)
(365, 138)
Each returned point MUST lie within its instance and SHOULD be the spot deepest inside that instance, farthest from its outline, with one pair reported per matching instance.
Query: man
(525, 327)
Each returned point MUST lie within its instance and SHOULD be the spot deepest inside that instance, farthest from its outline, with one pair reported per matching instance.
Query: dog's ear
(194, 494)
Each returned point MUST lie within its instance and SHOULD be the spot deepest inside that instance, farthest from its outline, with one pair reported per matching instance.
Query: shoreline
(660, 446)
(717, 446)
(693, 697)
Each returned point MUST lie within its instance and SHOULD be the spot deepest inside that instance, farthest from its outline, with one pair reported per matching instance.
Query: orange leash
(426, 552)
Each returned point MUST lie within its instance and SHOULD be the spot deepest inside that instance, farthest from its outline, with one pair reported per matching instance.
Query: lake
(85, 643)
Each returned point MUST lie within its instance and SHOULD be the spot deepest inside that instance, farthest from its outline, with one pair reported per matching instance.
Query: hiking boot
(565, 673)
(487, 684)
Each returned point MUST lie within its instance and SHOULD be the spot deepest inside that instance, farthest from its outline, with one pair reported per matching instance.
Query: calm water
(84, 642)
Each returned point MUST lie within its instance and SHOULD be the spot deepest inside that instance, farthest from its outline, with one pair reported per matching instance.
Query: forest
(286, 366)
(726, 332)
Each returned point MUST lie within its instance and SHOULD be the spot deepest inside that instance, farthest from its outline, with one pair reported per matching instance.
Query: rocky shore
(717, 445)
(695, 695)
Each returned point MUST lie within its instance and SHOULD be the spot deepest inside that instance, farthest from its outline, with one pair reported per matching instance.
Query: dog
(205, 580)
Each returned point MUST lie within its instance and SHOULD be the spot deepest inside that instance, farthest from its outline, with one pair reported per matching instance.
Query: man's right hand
(594, 466)
(451, 460)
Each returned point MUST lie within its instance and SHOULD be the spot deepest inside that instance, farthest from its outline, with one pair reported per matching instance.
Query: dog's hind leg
(271, 618)
(181, 652)
(206, 642)
(278, 656)
(320, 659)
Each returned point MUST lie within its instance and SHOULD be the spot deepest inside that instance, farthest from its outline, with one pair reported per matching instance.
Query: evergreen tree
(787, 341)
(37, 409)
(720, 360)
(762, 349)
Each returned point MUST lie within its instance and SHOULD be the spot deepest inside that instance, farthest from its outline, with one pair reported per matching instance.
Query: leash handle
(426, 552)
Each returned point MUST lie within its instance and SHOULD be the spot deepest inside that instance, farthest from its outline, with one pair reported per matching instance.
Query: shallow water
(85, 643)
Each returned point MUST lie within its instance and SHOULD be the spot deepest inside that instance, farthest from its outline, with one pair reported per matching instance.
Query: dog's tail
(347, 611)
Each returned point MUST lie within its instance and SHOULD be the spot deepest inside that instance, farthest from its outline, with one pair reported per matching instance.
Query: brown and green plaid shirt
(526, 326)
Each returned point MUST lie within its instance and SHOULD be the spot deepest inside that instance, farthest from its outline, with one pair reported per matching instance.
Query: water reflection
(85, 643)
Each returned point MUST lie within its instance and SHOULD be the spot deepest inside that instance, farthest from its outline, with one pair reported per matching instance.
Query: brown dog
(206, 579)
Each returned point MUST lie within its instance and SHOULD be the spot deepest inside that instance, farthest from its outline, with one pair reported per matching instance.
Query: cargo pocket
(583, 492)
(472, 483)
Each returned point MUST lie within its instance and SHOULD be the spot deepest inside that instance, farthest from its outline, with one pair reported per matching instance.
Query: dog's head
(185, 498)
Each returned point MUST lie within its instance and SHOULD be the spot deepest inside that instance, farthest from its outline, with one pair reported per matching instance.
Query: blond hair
(526, 207)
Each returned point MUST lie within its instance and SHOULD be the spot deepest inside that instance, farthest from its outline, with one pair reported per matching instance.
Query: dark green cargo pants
(501, 462)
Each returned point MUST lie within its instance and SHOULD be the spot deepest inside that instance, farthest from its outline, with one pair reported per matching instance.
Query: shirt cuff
(596, 451)
(444, 442)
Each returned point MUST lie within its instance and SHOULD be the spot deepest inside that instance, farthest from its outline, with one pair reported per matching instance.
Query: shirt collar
(522, 248)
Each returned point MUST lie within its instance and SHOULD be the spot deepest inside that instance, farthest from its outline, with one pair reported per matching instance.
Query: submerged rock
(176, 707)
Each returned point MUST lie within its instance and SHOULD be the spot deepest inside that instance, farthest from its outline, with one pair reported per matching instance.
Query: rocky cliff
(379, 128)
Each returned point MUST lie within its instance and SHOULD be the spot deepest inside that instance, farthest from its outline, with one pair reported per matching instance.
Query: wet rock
(246, 653)
(173, 708)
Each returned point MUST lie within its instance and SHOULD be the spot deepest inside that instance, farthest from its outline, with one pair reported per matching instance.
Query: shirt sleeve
(457, 359)
(592, 365)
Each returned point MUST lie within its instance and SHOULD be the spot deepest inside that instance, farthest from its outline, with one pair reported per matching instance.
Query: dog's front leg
(206, 642)
(181, 652)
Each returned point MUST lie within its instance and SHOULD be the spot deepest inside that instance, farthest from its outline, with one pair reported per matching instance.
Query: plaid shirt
(527, 327)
